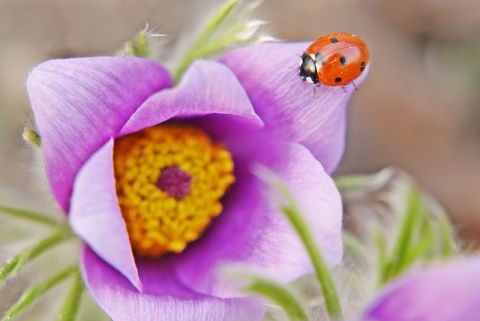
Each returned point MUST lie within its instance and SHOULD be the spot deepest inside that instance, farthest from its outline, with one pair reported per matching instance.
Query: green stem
(16, 263)
(349, 182)
(281, 296)
(219, 17)
(381, 247)
(204, 37)
(213, 47)
(28, 215)
(234, 35)
(447, 243)
(141, 47)
(322, 273)
(71, 306)
(35, 291)
(288, 207)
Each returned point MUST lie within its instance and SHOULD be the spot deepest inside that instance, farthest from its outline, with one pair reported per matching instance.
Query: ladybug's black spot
(338, 79)
(362, 66)
(343, 60)
(333, 40)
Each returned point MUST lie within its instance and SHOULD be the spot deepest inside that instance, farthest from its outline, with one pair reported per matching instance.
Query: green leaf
(35, 291)
(15, 264)
(29, 215)
(278, 294)
(405, 235)
(288, 206)
(416, 251)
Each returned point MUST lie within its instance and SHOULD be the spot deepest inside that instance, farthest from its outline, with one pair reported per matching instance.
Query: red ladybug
(336, 59)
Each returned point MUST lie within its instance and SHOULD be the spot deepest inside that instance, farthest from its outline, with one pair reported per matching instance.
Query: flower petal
(163, 299)
(95, 214)
(253, 233)
(443, 293)
(80, 103)
(207, 88)
(295, 110)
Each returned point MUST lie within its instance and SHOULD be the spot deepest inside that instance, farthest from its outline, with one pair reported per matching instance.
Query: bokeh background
(418, 110)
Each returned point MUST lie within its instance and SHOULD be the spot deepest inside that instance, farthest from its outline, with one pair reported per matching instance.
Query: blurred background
(418, 110)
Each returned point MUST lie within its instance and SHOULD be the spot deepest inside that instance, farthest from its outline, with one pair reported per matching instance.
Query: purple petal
(95, 215)
(253, 233)
(80, 103)
(207, 88)
(163, 299)
(443, 293)
(295, 110)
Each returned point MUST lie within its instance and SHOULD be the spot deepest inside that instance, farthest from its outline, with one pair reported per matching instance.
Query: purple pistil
(175, 182)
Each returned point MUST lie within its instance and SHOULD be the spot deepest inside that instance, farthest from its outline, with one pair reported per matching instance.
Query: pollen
(170, 180)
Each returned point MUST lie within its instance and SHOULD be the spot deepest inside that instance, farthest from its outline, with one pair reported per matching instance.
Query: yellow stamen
(169, 181)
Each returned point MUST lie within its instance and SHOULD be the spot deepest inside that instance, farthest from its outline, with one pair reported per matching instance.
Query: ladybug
(336, 59)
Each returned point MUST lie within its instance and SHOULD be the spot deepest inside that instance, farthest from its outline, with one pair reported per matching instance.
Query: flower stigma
(174, 182)
(169, 182)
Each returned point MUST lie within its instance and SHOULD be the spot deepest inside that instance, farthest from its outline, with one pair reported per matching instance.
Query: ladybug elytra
(336, 59)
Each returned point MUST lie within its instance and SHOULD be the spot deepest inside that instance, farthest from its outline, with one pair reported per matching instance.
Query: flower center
(169, 182)
(175, 182)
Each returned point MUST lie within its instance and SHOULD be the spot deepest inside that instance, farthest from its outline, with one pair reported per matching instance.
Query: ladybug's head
(307, 69)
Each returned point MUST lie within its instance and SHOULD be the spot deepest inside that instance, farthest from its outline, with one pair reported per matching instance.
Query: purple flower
(449, 292)
(105, 122)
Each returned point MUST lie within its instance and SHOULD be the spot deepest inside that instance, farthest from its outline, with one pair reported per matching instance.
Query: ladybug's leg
(354, 86)
(344, 90)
